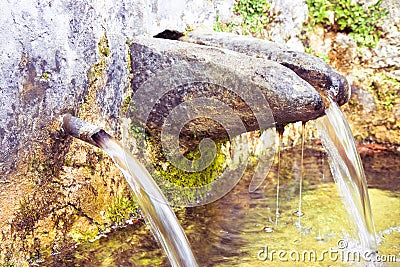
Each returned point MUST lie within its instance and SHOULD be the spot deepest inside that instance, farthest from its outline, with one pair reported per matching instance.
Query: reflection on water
(240, 230)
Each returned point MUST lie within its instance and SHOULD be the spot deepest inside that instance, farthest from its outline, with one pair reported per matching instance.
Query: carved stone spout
(168, 73)
(308, 67)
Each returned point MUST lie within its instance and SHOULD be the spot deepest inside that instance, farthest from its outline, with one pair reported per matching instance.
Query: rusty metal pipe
(81, 129)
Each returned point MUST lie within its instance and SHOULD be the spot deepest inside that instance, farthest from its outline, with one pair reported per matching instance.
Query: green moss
(97, 70)
(83, 235)
(165, 171)
(8, 264)
(137, 131)
(255, 15)
(96, 76)
(46, 77)
(183, 178)
(348, 17)
(126, 104)
(122, 209)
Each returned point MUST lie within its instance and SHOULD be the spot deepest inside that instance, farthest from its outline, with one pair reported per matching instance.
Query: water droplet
(297, 213)
(319, 238)
(269, 230)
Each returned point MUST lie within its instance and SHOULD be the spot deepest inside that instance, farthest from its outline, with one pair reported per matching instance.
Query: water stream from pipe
(348, 172)
(154, 206)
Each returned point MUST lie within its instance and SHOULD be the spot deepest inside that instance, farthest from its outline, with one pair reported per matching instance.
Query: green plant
(319, 11)
(126, 105)
(46, 76)
(388, 103)
(122, 209)
(254, 16)
(103, 46)
(324, 57)
(348, 17)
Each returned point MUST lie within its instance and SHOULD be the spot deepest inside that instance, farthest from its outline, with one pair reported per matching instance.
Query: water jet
(158, 214)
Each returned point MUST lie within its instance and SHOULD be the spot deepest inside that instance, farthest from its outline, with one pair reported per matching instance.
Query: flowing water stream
(280, 133)
(303, 139)
(155, 208)
(348, 172)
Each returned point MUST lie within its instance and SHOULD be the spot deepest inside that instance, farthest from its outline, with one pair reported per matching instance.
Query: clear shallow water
(237, 229)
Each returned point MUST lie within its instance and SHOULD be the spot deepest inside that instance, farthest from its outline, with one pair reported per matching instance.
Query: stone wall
(48, 50)
(373, 111)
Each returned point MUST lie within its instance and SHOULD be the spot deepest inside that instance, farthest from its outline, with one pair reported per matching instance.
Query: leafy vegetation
(351, 18)
(252, 17)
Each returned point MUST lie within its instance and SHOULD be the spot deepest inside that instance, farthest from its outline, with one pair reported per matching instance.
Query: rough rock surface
(286, 29)
(288, 96)
(47, 51)
(310, 68)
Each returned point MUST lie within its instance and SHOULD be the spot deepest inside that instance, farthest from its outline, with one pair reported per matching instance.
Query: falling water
(299, 212)
(154, 206)
(348, 172)
(152, 202)
(280, 133)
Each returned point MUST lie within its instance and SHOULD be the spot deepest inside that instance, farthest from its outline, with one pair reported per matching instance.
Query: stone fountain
(87, 59)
